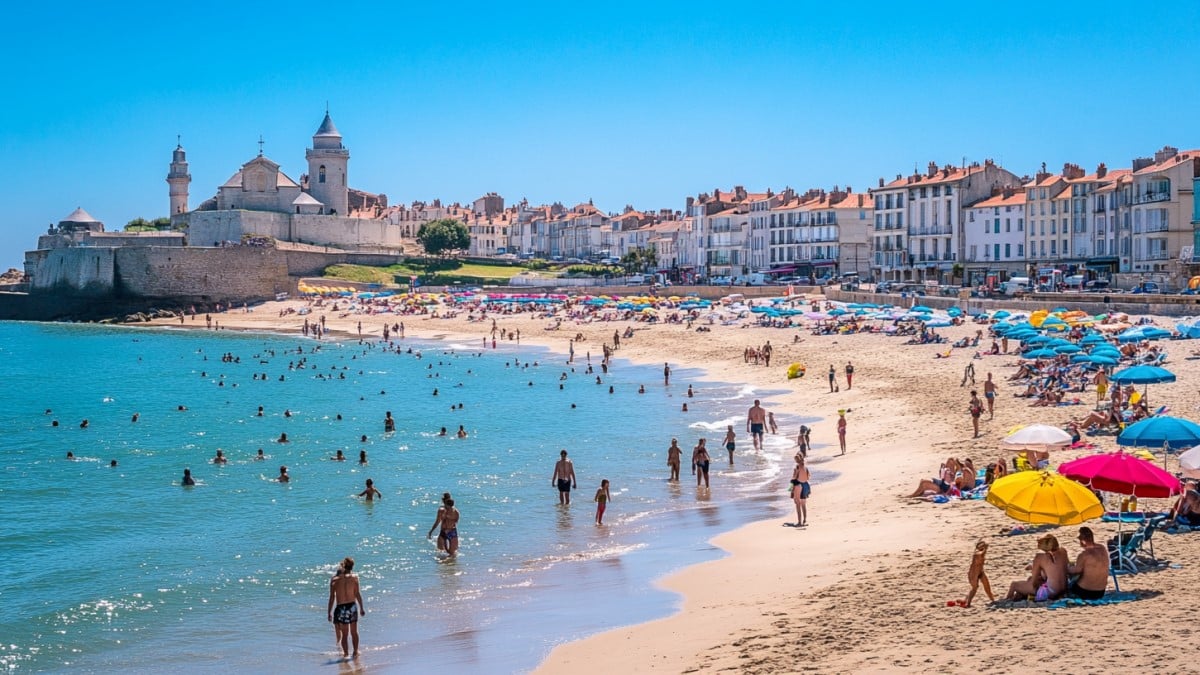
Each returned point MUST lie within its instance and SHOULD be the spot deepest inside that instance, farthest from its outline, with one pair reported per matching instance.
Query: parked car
(1147, 287)
(1096, 286)
(719, 281)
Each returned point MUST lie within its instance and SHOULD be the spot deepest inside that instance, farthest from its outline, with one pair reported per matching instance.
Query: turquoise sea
(120, 568)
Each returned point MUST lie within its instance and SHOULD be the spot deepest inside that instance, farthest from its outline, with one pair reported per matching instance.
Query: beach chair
(1134, 552)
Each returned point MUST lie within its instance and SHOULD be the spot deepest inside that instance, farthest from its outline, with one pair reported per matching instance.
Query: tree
(640, 259)
(139, 225)
(444, 235)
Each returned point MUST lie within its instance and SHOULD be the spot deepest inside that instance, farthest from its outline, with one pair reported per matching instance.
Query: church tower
(179, 179)
(327, 163)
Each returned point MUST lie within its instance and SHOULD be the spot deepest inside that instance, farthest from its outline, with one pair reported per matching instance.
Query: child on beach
(602, 498)
(976, 575)
(730, 441)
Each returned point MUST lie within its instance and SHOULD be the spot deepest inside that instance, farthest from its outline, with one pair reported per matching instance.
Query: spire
(178, 141)
(260, 145)
(327, 128)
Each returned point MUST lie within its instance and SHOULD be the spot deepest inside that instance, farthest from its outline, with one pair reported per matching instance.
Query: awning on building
(1103, 262)
(824, 263)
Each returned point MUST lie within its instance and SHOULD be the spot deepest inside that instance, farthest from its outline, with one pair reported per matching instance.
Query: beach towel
(1109, 599)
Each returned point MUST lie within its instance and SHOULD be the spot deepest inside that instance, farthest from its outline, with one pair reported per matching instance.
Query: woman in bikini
(1047, 574)
(800, 490)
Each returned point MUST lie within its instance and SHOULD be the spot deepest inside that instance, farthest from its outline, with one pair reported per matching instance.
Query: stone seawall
(234, 274)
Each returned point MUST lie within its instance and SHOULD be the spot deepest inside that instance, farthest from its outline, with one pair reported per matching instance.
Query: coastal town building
(919, 218)
(1162, 205)
(995, 238)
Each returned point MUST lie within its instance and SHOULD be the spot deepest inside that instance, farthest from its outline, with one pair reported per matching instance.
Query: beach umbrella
(937, 323)
(1059, 310)
(1190, 462)
(1099, 359)
(1038, 436)
(1042, 497)
(1106, 350)
(1040, 354)
(1163, 431)
(1092, 339)
(1002, 314)
(836, 311)
(1123, 474)
(1067, 349)
(920, 308)
(1020, 334)
(1038, 339)
(1143, 375)
(1082, 358)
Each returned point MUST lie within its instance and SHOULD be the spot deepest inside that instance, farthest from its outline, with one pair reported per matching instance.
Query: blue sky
(641, 103)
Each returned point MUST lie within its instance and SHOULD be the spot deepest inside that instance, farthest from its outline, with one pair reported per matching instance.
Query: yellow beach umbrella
(1044, 497)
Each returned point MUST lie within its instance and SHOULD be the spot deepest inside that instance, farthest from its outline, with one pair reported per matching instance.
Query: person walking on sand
(603, 497)
(849, 376)
(832, 379)
(344, 591)
(803, 441)
(756, 423)
(700, 462)
(771, 423)
(674, 459)
(976, 408)
(968, 374)
(800, 490)
(989, 393)
(447, 518)
(564, 478)
(730, 441)
(841, 430)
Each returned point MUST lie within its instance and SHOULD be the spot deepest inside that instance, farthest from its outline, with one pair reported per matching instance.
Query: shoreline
(784, 595)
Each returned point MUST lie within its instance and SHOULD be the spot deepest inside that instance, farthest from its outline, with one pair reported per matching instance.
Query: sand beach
(864, 587)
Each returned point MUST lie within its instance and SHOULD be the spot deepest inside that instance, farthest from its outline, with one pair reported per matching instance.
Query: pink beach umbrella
(1123, 474)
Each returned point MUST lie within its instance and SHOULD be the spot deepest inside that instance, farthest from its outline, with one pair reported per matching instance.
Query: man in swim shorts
(564, 478)
(1092, 568)
(756, 422)
(343, 590)
(989, 393)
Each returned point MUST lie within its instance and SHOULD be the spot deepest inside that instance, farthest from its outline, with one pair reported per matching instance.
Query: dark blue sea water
(112, 569)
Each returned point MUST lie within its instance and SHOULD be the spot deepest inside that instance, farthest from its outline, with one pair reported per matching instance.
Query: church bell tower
(327, 165)
(179, 179)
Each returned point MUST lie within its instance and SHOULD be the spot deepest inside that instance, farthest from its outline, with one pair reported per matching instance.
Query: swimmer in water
(282, 438)
(70, 455)
(371, 494)
(362, 456)
(220, 458)
(260, 455)
(462, 433)
(339, 457)
(187, 478)
(283, 475)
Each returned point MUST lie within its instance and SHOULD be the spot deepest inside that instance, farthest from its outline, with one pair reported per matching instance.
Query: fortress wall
(209, 228)
(336, 231)
(77, 271)
(233, 274)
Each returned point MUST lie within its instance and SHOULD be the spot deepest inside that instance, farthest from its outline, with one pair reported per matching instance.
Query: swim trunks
(756, 428)
(703, 466)
(1084, 594)
(805, 490)
(452, 533)
(564, 485)
(989, 394)
(347, 613)
(729, 446)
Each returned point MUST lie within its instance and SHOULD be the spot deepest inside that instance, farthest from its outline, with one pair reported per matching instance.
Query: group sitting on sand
(1052, 576)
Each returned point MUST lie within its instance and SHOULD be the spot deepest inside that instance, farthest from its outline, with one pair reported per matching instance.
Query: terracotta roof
(1045, 182)
(953, 175)
(1015, 199)
(1170, 163)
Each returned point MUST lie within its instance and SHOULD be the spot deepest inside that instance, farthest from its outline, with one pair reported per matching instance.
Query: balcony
(1152, 255)
(915, 231)
(1157, 227)
(1149, 197)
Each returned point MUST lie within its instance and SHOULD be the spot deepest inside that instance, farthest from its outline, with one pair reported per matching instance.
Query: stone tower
(327, 163)
(179, 179)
